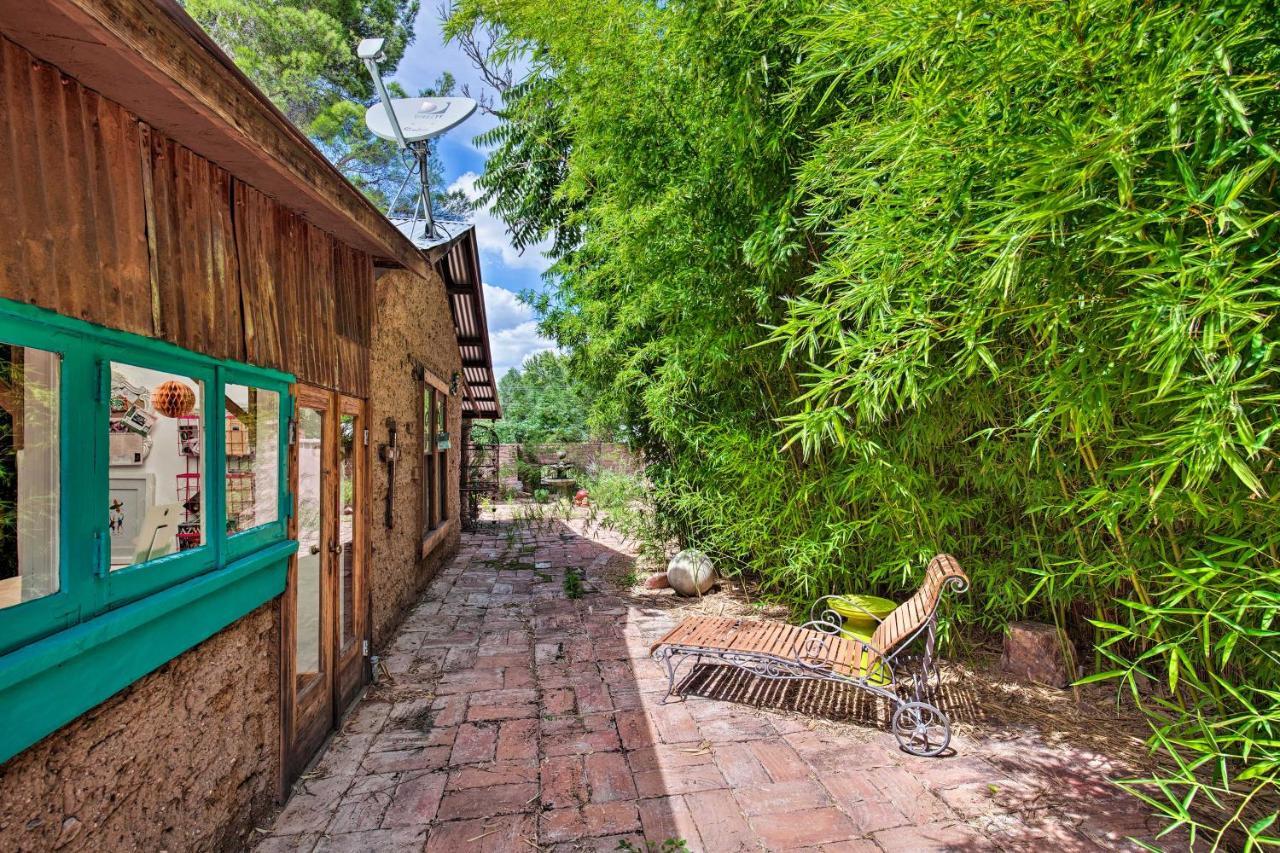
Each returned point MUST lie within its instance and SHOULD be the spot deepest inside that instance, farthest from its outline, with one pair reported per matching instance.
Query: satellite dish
(419, 118)
(411, 123)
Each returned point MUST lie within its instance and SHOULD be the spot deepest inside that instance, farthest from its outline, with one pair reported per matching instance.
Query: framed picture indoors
(128, 502)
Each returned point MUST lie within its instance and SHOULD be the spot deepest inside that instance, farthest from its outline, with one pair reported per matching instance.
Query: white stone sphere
(691, 573)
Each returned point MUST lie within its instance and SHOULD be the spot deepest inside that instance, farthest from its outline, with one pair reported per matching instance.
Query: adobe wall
(412, 324)
(186, 758)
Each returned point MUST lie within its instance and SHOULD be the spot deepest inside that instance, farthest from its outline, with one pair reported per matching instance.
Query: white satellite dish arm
(372, 65)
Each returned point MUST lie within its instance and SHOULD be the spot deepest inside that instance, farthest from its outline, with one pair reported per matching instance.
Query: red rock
(658, 581)
(720, 825)
(589, 821)
(1033, 652)
(782, 797)
(581, 743)
(798, 829)
(517, 739)
(415, 800)
(482, 835)
(933, 836)
(563, 782)
(609, 778)
(484, 775)
(739, 765)
(779, 760)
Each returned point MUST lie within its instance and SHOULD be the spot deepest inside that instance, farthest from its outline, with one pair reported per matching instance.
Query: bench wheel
(921, 729)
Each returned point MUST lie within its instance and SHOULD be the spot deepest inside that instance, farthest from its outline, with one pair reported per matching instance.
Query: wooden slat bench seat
(817, 650)
(768, 638)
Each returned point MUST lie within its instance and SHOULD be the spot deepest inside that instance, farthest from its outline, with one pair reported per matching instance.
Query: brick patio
(513, 718)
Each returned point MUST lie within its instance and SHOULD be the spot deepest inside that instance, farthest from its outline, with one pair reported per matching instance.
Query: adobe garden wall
(412, 325)
(583, 456)
(185, 759)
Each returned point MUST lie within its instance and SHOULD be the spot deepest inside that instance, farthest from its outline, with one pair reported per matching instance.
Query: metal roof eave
(459, 269)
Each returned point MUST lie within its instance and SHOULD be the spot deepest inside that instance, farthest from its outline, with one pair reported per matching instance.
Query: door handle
(335, 548)
(315, 549)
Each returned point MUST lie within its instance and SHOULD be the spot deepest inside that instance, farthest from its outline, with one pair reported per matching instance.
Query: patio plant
(869, 280)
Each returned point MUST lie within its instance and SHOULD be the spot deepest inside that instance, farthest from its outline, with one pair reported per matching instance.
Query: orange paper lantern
(173, 399)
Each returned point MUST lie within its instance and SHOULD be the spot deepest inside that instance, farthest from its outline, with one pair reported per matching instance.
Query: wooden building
(231, 399)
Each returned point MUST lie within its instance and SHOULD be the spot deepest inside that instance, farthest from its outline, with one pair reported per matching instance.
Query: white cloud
(510, 347)
(503, 309)
(491, 233)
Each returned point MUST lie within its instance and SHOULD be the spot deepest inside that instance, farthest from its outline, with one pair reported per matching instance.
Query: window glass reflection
(29, 466)
(156, 500)
(252, 431)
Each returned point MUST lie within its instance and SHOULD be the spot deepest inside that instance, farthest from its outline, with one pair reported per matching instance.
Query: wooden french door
(325, 610)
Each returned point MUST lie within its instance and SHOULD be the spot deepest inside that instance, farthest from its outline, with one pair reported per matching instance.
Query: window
(29, 468)
(113, 483)
(435, 461)
(156, 499)
(441, 441)
(123, 475)
(252, 448)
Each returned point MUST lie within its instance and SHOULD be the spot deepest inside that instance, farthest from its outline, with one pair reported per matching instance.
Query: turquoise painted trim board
(49, 683)
(64, 653)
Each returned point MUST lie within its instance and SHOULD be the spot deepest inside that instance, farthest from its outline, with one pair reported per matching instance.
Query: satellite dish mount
(411, 123)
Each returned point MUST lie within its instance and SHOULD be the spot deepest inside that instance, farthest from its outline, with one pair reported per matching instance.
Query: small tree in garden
(541, 403)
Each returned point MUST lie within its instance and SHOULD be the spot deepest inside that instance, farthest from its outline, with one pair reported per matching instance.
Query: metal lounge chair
(816, 650)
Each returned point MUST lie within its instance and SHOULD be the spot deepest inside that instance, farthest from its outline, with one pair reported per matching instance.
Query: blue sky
(513, 333)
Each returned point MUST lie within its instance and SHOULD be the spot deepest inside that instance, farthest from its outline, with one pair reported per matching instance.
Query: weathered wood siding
(195, 265)
(115, 223)
(71, 182)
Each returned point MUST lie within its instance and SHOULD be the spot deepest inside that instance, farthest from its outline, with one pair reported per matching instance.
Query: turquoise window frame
(132, 582)
(30, 620)
(246, 542)
(64, 653)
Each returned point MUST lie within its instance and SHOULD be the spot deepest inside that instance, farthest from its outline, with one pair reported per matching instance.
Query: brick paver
(511, 718)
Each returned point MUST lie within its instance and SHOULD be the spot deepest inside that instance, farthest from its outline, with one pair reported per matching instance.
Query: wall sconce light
(453, 384)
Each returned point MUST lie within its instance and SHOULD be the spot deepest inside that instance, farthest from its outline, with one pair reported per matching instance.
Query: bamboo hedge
(870, 280)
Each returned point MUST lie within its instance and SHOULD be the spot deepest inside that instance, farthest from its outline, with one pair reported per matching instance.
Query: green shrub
(530, 474)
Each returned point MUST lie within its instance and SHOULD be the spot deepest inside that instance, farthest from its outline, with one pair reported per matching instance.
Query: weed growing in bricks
(572, 583)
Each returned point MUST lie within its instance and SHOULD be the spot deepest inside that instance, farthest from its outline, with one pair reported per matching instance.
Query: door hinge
(366, 438)
(293, 431)
(364, 647)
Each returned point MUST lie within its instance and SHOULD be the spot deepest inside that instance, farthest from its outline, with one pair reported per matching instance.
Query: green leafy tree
(872, 280)
(541, 403)
(302, 55)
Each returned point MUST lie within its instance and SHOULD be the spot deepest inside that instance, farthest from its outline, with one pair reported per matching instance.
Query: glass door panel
(348, 517)
(310, 545)
(307, 668)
